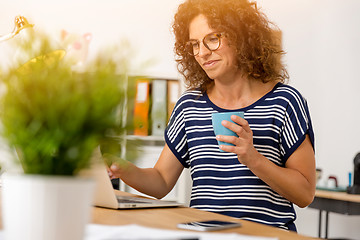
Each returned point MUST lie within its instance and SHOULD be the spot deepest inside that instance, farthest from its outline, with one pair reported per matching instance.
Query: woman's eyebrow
(213, 32)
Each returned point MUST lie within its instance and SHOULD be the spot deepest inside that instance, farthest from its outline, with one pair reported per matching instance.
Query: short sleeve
(297, 124)
(175, 134)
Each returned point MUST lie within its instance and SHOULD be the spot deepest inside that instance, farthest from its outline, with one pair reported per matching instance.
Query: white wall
(147, 24)
(321, 38)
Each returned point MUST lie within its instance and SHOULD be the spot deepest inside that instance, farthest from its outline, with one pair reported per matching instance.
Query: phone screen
(208, 225)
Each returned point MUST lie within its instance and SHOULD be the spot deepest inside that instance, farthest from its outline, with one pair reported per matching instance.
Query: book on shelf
(158, 106)
(142, 107)
(173, 94)
(150, 109)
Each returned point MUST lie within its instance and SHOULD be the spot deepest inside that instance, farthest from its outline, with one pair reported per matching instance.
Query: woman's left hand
(244, 147)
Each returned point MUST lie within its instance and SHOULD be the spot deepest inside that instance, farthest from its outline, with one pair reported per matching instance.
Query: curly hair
(256, 40)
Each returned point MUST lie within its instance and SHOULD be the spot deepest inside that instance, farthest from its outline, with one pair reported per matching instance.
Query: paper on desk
(137, 232)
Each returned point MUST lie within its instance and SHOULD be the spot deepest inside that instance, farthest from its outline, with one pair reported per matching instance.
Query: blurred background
(321, 38)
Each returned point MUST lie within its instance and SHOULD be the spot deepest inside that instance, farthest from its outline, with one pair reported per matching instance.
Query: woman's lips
(209, 64)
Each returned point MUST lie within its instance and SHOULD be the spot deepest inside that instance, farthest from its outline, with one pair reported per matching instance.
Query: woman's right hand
(113, 171)
(116, 165)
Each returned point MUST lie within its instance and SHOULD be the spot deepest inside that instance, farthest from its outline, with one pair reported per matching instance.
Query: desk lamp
(20, 24)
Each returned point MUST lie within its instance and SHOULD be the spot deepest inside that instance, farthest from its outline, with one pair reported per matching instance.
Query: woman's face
(217, 64)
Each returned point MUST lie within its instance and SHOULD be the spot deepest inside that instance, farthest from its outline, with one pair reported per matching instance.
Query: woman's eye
(195, 45)
(213, 39)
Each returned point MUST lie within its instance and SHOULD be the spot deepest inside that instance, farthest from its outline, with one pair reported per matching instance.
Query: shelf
(145, 140)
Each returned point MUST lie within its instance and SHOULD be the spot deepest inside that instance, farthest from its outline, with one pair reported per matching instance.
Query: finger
(114, 167)
(236, 128)
(242, 122)
(110, 173)
(114, 171)
(227, 148)
(229, 139)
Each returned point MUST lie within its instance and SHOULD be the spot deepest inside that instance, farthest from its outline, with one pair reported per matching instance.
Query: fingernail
(114, 167)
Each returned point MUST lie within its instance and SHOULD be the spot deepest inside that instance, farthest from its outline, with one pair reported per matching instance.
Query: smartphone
(211, 225)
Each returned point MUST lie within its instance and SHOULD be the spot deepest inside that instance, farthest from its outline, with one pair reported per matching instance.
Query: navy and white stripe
(279, 121)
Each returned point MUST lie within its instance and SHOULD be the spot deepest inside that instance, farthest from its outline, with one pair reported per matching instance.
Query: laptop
(105, 195)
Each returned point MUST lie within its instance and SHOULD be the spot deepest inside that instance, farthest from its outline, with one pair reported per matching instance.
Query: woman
(230, 59)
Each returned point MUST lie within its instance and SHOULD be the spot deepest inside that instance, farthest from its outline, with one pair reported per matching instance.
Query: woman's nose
(203, 50)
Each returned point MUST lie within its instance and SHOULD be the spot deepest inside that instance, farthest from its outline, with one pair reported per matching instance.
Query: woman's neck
(238, 93)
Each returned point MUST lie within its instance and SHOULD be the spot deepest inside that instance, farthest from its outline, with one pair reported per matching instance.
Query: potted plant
(54, 118)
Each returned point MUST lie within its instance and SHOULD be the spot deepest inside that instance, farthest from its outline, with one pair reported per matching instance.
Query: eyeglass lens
(210, 41)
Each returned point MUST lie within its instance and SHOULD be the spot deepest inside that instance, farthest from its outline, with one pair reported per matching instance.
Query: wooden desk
(337, 202)
(168, 218)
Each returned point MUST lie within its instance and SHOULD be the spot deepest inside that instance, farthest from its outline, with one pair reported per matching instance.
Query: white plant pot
(37, 207)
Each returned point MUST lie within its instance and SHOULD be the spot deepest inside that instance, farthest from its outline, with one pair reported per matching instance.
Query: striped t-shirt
(279, 121)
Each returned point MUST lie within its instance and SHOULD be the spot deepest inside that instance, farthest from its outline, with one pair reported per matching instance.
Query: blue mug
(219, 129)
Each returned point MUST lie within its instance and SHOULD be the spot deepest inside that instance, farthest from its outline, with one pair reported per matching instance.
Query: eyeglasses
(212, 41)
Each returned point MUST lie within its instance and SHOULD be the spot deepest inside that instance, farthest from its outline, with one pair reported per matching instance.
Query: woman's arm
(296, 181)
(157, 181)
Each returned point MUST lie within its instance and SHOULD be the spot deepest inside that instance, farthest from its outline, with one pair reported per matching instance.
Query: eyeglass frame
(189, 43)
